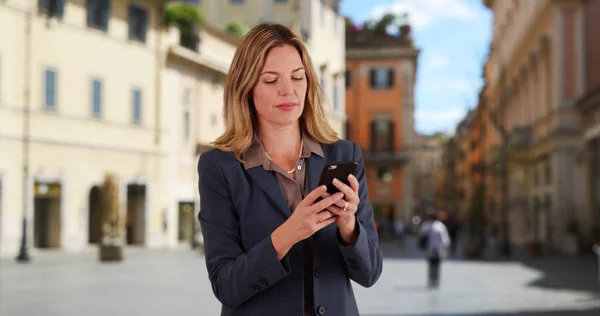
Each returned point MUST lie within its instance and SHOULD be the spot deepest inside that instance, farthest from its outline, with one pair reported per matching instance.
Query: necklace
(299, 154)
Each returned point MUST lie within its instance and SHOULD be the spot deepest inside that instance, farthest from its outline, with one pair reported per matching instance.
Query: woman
(270, 248)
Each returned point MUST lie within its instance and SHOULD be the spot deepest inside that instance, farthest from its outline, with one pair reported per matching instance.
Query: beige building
(426, 160)
(534, 74)
(193, 81)
(321, 26)
(98, 86)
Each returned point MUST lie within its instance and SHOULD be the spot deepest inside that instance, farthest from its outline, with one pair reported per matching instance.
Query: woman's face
(281, 88)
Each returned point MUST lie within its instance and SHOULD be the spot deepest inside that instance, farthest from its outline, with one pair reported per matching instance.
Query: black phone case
(340, 170)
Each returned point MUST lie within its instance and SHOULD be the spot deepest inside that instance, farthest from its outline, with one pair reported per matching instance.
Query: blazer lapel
(268, 183)
(315, 164)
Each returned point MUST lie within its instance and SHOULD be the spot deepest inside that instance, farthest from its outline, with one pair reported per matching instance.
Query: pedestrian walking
(434, 241)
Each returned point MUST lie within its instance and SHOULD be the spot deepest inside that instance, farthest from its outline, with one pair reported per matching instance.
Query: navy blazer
(239, 209)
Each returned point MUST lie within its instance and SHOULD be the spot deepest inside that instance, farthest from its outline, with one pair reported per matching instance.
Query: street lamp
(23, 255)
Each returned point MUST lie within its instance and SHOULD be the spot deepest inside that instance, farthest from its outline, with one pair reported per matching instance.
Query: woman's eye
(298, 78)
(270, 81)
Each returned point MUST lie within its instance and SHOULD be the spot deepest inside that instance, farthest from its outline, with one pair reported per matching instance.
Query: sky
(453, 37)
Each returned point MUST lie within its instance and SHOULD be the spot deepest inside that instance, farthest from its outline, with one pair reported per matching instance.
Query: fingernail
(336, 181)
(323, 187)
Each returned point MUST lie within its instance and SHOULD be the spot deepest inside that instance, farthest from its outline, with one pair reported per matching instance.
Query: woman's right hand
(308, 218)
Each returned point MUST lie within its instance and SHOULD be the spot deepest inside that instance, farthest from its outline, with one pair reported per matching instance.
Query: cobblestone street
(155, 282)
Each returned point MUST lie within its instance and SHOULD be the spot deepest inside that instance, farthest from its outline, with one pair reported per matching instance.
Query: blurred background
(486, 111)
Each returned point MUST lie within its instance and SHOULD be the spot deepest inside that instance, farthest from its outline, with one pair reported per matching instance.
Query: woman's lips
(287, 106)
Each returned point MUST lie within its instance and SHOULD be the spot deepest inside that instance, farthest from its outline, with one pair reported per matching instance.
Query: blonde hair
(240, 117)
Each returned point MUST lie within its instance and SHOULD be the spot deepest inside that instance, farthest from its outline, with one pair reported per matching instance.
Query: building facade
(380, 79)
(589, 105)
(193, 84)
(426, 160)
(92, 87)
(318, 22)
(533, 77)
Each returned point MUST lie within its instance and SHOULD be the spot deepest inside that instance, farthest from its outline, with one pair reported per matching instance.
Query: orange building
(380, 79)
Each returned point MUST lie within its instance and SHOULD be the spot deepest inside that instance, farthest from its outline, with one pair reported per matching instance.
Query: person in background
(400, 229)
(434, 241)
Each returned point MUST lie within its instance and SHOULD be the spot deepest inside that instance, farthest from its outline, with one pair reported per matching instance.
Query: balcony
(387, 158)
(496, 157)
(520, 138)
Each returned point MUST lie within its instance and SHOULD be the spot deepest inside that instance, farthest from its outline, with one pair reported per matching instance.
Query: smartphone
(340, 171)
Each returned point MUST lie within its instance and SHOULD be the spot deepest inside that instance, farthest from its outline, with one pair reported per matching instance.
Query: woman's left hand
(346, 208)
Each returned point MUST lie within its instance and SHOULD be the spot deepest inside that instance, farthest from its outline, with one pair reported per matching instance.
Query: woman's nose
(286, 87)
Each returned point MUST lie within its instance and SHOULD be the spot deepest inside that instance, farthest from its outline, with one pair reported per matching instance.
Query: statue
(111, 245)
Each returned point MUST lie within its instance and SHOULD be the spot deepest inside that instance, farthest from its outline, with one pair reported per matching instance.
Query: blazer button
(256, 288)
(264, 282)
(321, 310)
(317, 272)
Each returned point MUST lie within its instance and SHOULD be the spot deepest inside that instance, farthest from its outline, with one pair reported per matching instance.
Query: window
(96, 98)
(194, 2)
(50, 87)
(548, 174)
(187, 101)
(382, 135)
(336, 94)
(186, 124)
(213, 119)
(348, 78)
(98, 14)
(137, 106)
(52, 8)
(281, 1)
(138, 23)
(382, 78)
(236, 1)
(384, 175)
(323, 4)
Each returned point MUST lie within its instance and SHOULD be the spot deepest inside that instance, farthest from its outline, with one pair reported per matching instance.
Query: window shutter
(372, 75)
(348, 81)
(60, 8)
(44, 6)
(373, 136)
(390, 77)
(105, 14)
(144, 25)
(391, 135)
(131, 20)
(92, 6)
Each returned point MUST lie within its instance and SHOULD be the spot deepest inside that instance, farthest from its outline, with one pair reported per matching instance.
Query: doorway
(46, 214)
(384, 219)
(186, 221)
(95, 215)
(135, 225)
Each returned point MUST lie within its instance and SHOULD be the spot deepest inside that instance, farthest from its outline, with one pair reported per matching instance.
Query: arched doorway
(95, 215)
(135, 225)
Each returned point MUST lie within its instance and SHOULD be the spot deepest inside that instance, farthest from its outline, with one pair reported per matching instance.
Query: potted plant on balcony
(187, 18)
(236, 29)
